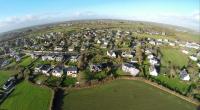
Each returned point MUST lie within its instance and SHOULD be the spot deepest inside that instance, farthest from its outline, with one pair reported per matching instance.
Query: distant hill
(142, 25)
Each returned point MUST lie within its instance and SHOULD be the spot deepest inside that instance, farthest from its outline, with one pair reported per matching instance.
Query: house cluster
(194, 56)
(15, 55)
(154, 62)
(99, 67)
(130, 68)
(57, 71)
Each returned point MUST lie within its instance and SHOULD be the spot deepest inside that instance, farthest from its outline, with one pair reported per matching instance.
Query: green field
(124, 95)
(26, 61)
(174, 55)
(28, 97)
(174, 83)
(4, 75)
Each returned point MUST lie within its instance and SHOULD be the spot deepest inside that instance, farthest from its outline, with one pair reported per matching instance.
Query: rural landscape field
(124, 94)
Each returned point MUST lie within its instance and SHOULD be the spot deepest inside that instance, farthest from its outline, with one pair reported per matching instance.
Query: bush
(197, 96)
(173, 84)
(69, 81)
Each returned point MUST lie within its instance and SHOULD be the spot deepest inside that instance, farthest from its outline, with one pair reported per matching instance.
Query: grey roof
(72, 68)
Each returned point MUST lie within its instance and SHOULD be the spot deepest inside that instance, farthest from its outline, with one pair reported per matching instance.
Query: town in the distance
(88, 53)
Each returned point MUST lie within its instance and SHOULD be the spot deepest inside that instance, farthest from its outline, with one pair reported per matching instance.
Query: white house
(198, 64)
(185, 51)
(184, 75)
(127, 55)
(57, 48)
(150, 56)
(59, 58)
(147, 52)
(46, 69)
(74, 58)
(72, 71)
(126, 67)
(57, 71)
(70, 49)
(193, 58)
(98, 41)
(153, 61)
(48, 57)
(152, 42)
(171, 44)
(37, 69)
(153, 71)
(111, 54)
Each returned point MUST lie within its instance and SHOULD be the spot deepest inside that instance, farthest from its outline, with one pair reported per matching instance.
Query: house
(48, 57)
(33, 56)
(18, 58)
(6, 62)
(193, 58)
(127, 54)
(59, 58)
(37, 69)
(185, 51)
(95, 68)
(74, 58)
(198, 64)
(72, 71)
(150, 56)
(58, 48)
(9, 83)
(147, 52)
(105, 42)
(100, 67)
(184, 75)
(83, 47)
(152, 42)
(45, 69)
(57, 71)
(171, 44)
(153, 71)
(127, 67)
(192, 45)
(166, 40)
(198, 54)
(104, 46)
(98, 42)
(154, 61)
(71, 49)
(111, 54)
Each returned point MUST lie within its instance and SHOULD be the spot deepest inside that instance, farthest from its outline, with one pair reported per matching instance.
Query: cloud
(191, 21)
(196, 15)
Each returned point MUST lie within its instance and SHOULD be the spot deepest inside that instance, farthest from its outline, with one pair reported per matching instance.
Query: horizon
(184, 13)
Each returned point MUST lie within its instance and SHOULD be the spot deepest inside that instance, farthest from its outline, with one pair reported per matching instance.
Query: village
(58, 59)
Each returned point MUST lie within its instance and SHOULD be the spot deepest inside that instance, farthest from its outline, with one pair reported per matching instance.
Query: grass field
(26, 61)
(124, 95)
(4, 75)
(174, 55)
(174, 83)
(28, 97)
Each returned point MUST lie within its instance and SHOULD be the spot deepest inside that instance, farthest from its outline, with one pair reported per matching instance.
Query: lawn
(4, 75)
(174, 55)
(26, 61)
(28, 97)
(124, 95)
(174, 83)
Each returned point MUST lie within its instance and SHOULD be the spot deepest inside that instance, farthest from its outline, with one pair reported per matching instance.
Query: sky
(16, 14)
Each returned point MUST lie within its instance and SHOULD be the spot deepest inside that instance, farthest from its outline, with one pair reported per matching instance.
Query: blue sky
(21, 13)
